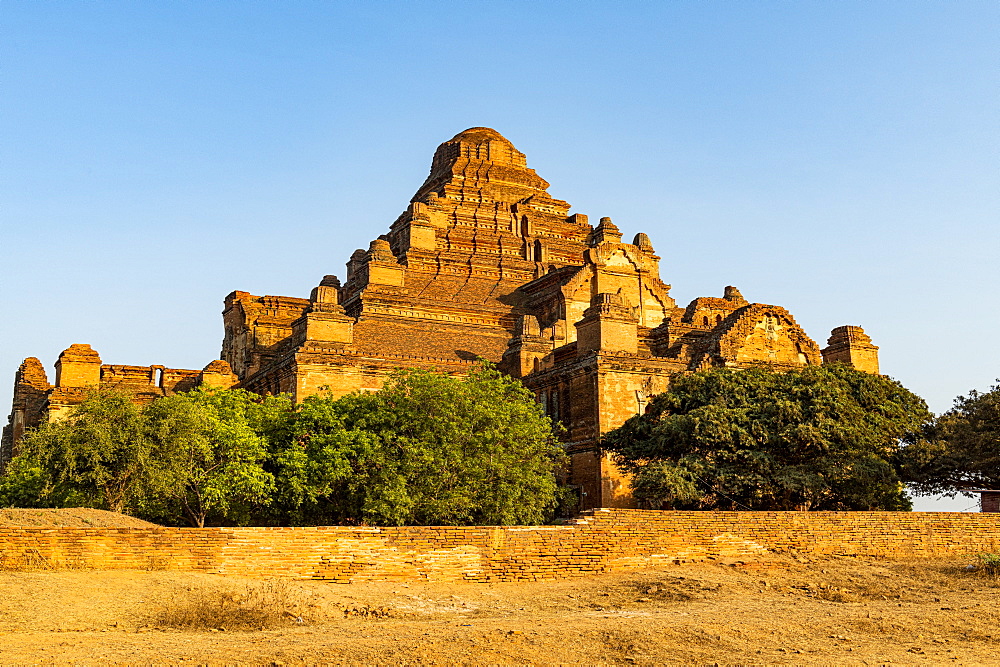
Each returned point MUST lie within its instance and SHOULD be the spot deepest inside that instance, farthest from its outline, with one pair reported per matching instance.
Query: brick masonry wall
(600, 541)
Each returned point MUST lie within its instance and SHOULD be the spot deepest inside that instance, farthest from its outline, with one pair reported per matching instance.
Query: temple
(483, 263)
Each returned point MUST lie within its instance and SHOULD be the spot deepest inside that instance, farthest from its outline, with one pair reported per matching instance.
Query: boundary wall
(599, 541)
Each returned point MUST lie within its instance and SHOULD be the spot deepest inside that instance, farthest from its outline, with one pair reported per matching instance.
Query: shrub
(256, 607)
(989, 564)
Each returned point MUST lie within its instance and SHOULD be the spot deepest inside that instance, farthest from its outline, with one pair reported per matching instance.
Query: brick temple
(483, 262)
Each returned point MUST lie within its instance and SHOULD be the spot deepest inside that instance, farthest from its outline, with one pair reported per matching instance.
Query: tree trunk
(197, 520)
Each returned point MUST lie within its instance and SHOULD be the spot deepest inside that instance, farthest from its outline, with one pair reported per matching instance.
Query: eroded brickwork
(79, 369)
(31, 389)
(851, 345)
(483, 262)
(604, 541)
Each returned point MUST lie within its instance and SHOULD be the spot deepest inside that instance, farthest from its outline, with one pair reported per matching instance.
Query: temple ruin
(483, 262)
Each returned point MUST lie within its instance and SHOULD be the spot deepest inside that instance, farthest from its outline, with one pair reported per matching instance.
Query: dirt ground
(70, 517)
(831, 611)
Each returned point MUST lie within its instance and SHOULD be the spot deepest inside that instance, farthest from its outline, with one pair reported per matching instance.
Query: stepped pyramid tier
(482, 224)
(480, 164)
(482, 263)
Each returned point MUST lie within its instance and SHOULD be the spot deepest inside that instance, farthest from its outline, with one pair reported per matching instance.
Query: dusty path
(837, 611)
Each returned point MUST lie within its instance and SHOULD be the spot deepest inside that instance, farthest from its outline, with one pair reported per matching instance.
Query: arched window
(718, 319)
(704, 321)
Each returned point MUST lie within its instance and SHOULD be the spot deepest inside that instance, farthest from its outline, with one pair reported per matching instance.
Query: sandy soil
(833, 611)
(70, 517)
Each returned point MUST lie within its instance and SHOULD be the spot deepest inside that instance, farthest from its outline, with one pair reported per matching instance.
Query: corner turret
(325, 320)
(78, 366)
(605, 232)
(851, 345)
(608, 325)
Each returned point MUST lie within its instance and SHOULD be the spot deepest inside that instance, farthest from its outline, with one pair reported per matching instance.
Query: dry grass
(673, 589)
(269, 604)
(367, 611)
(981, 569)
(989, 566)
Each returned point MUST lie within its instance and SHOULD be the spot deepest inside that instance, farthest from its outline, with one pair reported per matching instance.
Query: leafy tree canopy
(826, 437)
(210, 453)
(961, 450)
(425, 449)
(98, 455)
(181, 458)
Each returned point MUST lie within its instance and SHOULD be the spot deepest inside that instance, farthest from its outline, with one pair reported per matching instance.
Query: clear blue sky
(841, 159)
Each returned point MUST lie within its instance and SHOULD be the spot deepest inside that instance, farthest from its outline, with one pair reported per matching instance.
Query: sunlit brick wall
(602, 541)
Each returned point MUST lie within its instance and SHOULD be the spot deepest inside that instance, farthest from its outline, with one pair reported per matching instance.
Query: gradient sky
(840, 159)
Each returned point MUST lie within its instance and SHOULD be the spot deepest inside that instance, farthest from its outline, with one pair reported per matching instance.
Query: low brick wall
(600, 541)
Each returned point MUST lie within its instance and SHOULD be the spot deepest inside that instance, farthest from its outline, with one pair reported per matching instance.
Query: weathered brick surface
(602, 541)
(853, 346)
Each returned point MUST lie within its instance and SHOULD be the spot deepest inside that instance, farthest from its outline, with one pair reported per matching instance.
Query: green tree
(961, 450)
(25, 483)
(97, 455)
(826, 437)
(426, 449)
(210, 453)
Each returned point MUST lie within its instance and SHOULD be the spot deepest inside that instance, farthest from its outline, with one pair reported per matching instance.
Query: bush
(257, 607)
(989, 564)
